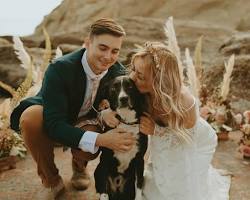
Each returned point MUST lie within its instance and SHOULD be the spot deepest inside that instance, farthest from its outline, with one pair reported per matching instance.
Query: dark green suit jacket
(62, 95)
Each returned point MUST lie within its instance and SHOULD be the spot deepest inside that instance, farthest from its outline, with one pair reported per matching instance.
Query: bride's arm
(188, 102)
(149, 127)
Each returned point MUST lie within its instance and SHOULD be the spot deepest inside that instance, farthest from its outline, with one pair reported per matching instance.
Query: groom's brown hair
(106, 26)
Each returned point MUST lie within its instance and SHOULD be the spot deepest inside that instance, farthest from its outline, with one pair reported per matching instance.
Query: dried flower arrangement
(11, 143)
(215, 108)
(244, 144)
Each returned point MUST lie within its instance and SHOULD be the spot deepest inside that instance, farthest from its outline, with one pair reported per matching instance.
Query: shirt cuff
(87, 142)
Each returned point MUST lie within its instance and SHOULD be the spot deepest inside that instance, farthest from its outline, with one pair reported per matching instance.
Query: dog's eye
(130, 87)
(112, 89)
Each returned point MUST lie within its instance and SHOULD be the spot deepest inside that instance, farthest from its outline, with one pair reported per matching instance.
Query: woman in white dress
(182, 144)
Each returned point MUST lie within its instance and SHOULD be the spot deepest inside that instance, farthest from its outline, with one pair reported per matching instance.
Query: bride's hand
(147, 124)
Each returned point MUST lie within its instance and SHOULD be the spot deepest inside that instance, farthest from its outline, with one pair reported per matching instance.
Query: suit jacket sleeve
(56, 106)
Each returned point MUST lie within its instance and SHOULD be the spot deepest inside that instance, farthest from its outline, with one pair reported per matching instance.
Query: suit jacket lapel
(80, 81)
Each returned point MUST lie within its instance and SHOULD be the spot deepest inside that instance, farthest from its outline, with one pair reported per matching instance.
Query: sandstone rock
(238, 44)
(7, 54)
(4, 42)
(67, 48)
(240, 83)
(10, 71)
(12, 74)
(73, 15)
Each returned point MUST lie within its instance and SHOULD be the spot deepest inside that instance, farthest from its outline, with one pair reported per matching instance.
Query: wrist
(100, 140)
(154, 129)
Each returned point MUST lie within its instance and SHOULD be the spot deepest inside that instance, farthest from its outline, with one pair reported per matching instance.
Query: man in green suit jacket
(71, 91)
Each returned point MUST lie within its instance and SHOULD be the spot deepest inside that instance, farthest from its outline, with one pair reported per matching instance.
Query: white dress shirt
(88, 140)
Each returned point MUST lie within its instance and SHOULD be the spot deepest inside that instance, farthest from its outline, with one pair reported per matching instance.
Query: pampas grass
(47, 53)
(227, 78)
(10, 142)
(172, 43)
(59, 53)
(23, 88)
(198, 64)
(192, 78)
(21, 53)
(26, 63)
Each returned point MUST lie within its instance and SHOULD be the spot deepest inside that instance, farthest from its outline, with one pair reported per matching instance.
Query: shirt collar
(90, 74)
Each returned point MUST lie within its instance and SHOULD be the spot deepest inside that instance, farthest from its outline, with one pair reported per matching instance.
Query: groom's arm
(56, 105)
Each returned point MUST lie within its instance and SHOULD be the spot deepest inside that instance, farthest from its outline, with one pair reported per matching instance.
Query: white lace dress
(184, 172)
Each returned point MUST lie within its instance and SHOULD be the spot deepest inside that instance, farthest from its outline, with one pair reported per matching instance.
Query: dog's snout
(124, 99)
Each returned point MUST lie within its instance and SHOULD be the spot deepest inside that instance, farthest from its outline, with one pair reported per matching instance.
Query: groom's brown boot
(80, 179)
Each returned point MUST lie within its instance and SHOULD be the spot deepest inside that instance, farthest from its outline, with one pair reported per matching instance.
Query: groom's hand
(147, 124)
(116, 139)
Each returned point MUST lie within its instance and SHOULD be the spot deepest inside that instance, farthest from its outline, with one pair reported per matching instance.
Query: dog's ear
(103, 93)
(105, 89)
(140, 103)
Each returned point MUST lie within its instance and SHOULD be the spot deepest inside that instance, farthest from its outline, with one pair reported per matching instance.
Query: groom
(71, 87)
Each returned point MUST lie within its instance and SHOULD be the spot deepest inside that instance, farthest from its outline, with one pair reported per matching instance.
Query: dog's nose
(124, 100)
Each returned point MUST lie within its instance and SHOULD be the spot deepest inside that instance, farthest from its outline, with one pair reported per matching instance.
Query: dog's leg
(139, 179)
(138, 192)
(101, 179)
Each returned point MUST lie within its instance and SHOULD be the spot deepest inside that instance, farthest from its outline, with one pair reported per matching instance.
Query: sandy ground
(23, 183)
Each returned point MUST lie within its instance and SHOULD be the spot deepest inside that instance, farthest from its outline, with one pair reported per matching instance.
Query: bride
(182, 144)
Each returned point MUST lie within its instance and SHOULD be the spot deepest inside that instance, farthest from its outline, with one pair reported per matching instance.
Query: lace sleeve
(160, 130)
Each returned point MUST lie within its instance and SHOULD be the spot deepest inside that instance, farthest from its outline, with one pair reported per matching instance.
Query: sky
(20, 17)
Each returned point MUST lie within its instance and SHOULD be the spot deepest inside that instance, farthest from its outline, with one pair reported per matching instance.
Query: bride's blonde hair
(166, 85)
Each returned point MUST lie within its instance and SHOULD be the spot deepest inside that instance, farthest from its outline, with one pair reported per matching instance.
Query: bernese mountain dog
(119, 176)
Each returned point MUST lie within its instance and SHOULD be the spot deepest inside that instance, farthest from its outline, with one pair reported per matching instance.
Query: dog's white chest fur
(125, 158)
(127, 115)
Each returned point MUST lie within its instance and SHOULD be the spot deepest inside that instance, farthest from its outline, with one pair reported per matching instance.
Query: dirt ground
(23, 183)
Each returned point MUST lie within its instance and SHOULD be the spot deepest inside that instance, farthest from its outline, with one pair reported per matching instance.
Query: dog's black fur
(122, 93)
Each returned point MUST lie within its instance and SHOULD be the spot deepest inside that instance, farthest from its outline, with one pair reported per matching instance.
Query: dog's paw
(104, 196)
(138, 194)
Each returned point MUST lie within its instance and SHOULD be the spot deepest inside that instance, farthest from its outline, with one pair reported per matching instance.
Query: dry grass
(172, 42)
(227, 78)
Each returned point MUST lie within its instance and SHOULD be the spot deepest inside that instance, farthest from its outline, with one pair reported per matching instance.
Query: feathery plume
(21, 53)
(198, 63)
(47, 53)
(23, 88)
(192, 78)
(172, 43)
(59, 53)
(227, 77)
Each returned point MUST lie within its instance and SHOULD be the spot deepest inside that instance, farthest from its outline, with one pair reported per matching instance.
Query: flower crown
(157, 50)
(153, 51)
